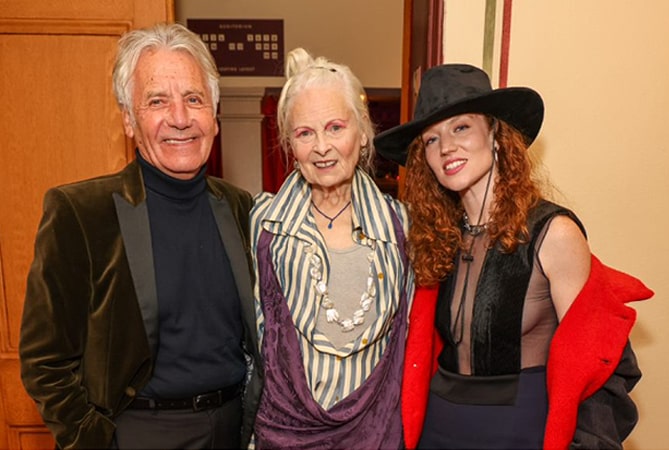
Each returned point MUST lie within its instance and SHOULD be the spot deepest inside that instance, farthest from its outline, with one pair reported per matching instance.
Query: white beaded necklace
(366, 299)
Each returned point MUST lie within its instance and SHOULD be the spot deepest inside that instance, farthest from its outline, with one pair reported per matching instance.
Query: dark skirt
(514, 419)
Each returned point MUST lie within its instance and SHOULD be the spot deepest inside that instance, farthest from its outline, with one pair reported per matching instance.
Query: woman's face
(325, 137)
(459, 152)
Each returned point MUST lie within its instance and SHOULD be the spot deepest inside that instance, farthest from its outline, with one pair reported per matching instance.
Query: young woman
(532, 331)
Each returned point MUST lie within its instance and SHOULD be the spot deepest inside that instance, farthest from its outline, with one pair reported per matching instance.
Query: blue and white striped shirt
(332, 373)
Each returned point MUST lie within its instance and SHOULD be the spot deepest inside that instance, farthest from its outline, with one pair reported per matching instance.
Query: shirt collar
(372, 214)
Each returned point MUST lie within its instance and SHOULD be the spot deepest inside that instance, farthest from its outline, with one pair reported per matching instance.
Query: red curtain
(275, 163)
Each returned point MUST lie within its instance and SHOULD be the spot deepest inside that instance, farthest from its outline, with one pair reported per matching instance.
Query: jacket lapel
(133, 218)
(234, 247)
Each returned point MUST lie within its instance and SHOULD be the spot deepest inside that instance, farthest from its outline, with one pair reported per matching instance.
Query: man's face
(174, 124)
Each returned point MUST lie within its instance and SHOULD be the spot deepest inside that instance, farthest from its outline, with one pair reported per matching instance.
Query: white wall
(601, 67)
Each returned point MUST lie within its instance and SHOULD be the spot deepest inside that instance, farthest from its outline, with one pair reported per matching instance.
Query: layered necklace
(473, 230)
(321, 288)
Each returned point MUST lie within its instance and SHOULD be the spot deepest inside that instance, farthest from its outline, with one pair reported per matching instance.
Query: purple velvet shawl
(289, 417)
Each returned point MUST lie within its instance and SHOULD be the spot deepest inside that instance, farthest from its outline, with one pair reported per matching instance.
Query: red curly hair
(436, 212)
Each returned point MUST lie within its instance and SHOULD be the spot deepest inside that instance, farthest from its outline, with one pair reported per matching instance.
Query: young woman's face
(459, 152)
(325, 137)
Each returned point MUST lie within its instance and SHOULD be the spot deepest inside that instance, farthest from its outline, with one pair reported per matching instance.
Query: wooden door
(58, 123)
(421, 49)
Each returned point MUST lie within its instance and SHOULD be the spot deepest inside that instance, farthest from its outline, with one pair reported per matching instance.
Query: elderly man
(138, 328)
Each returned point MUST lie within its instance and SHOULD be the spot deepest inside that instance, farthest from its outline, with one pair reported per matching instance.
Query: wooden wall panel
(34, 438)
(41, 149)
(78, 9)
(60, 123)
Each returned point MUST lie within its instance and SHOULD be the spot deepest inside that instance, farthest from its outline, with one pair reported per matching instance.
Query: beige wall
(601, 67)
(365, 35)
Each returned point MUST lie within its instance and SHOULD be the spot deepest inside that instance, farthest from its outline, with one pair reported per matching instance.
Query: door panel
(59, 123)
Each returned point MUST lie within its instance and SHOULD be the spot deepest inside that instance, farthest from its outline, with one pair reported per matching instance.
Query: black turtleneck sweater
(200, 333)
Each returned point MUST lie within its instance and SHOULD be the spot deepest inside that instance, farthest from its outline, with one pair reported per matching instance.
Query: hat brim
(520, 107)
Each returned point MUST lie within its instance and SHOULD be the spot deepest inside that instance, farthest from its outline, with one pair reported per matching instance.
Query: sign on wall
(243, 47)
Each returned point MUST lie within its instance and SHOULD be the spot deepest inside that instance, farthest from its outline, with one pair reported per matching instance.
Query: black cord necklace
(331, 219)
(458, 327)
(458, 322)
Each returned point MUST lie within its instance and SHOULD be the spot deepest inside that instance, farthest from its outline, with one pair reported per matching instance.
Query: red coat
(581, 357)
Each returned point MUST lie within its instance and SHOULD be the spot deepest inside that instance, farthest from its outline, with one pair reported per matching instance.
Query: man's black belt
(197, 403)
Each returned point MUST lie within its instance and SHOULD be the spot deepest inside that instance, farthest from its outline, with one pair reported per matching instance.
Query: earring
(494, 152)
(363, 152)
(296, 165)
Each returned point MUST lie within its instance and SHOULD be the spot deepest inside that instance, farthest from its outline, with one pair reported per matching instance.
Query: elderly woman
(333, 282)
(534, 328)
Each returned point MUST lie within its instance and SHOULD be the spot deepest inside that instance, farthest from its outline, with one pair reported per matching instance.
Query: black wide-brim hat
(452, 89)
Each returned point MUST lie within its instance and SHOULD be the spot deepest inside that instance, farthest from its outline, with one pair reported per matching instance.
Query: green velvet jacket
(89, 328)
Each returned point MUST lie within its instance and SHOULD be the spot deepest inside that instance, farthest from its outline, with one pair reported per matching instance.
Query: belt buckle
(199, 402)
(206, 401)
